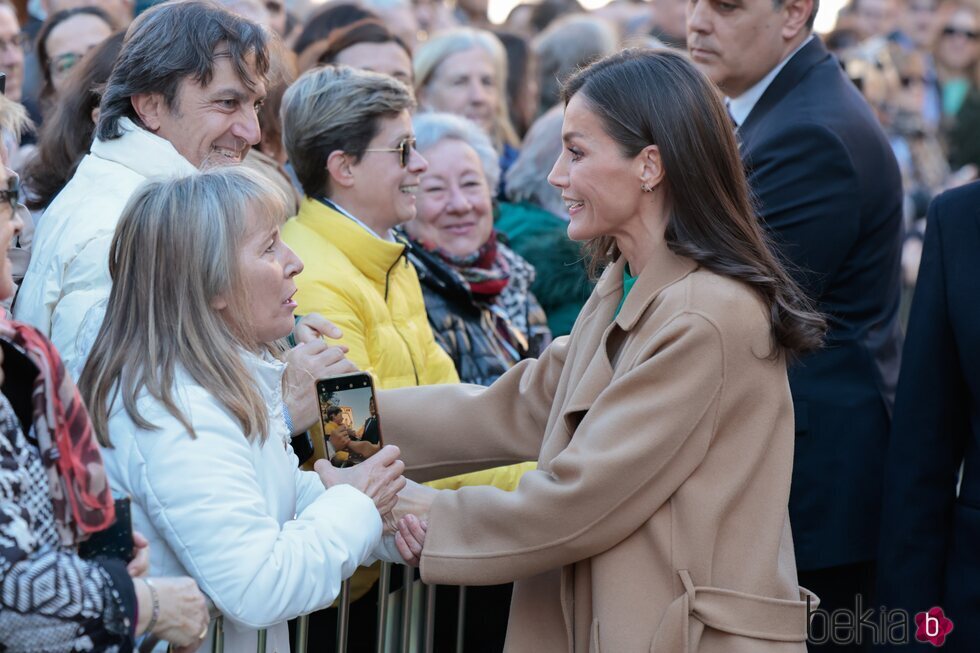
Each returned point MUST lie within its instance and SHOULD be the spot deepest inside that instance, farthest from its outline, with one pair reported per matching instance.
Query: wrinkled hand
(183, 610)
(410, 538)
(415, 500)
(379, 477)
(140, 564)
(308, 361)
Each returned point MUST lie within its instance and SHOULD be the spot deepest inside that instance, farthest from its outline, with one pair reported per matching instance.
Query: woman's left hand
(410, 538)
(311, 359)
(139, 566)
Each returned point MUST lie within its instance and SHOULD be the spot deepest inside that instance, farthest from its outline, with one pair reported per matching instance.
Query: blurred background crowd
(917, 62)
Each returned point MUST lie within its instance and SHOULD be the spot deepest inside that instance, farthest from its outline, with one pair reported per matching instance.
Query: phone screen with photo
(349, 417)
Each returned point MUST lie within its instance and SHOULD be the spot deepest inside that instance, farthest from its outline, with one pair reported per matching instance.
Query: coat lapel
(795, 69)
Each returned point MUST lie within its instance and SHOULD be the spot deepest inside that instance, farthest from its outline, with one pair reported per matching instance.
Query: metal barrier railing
(384, 597)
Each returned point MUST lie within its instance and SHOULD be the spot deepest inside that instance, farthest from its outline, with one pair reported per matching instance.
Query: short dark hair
(333, 410)
(174, 41)
(322, 23)
(41, 43)
(368, 30)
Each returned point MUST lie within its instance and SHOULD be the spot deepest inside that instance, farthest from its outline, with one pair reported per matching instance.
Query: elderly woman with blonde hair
(185, 387)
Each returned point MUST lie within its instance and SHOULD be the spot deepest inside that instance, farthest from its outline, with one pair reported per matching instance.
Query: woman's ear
(340, 169)
(219, 303)
(651, 167)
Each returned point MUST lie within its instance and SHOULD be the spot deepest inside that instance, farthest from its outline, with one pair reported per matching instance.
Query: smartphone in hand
(349, 417)
(116, 541)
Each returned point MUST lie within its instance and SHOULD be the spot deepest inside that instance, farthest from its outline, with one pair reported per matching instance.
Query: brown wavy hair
(67, 132)
(658, 97)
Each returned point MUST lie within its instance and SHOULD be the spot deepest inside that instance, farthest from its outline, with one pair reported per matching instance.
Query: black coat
(930, 540)
(830, 192)
(463, 327)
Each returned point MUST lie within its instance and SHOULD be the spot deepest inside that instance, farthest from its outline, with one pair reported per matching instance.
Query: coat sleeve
(632, 448)
(216, 520)
(929, 435)
(86, 287)
(51, 588)
(444, 430)
(815, 221)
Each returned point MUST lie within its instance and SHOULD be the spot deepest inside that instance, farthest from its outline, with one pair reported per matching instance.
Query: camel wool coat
(657, 518)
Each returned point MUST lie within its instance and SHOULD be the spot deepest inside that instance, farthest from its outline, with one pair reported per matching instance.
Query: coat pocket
(711, 618)
(594, 637)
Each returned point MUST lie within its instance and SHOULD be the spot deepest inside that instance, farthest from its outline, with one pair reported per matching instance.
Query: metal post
(461, 619)
(408, 578)
(384, 589)
(302, 633)
(218, 641)
(430, 618)
(263, 636)
(343, 614)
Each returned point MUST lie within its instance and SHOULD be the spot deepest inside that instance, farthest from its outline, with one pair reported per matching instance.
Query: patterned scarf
(80, 493)
(484, 271)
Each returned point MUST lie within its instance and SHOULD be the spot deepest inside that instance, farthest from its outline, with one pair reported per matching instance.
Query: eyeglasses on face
(11, 194)
(950, 30)
(404, 150)
(61, 64)
(16, 41)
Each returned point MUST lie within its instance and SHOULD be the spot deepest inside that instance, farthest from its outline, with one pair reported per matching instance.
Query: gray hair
(427, 58)
(336, 108)
(431, 128)
(172, 42)
(568, 44)
(527, 178)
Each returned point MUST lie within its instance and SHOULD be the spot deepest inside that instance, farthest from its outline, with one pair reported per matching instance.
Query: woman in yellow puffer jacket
(349, 138)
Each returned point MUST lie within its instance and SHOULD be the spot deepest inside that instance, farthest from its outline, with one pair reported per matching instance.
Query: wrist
(148, 600)
(144, 605)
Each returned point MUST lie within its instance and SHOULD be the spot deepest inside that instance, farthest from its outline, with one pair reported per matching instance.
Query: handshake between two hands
(404, 505)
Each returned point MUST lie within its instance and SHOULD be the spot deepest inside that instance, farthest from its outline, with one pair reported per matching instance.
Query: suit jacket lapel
(795, 69)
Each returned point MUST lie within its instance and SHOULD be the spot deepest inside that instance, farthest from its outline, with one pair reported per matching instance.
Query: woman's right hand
(379, 477)
(183, 619)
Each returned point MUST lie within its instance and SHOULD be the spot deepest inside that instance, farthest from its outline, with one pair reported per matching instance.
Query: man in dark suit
(829, 190)
(930, 539)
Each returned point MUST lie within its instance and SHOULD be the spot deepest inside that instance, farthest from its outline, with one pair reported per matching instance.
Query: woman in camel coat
(663, 425)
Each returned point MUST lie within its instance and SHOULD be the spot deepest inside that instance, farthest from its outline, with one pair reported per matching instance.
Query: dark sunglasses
(949, 30)
(12, 193)
(404, 150)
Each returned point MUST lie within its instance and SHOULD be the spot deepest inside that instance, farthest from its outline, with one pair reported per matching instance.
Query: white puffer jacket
(264, 541)
(69, 269)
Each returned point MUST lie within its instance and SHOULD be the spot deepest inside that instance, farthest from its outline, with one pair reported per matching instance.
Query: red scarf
(80, 493)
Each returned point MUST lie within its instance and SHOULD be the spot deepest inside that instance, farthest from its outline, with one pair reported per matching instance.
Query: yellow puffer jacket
(347, 273)
(367, 287)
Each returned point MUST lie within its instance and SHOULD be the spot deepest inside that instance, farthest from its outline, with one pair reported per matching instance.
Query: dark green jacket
(562, 284)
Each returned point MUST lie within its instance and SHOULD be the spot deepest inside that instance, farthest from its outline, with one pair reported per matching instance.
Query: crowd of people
(632, 285)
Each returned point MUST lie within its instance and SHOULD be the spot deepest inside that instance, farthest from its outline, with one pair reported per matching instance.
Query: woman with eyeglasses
(957, 56)
(349, 137)
(64, 39)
